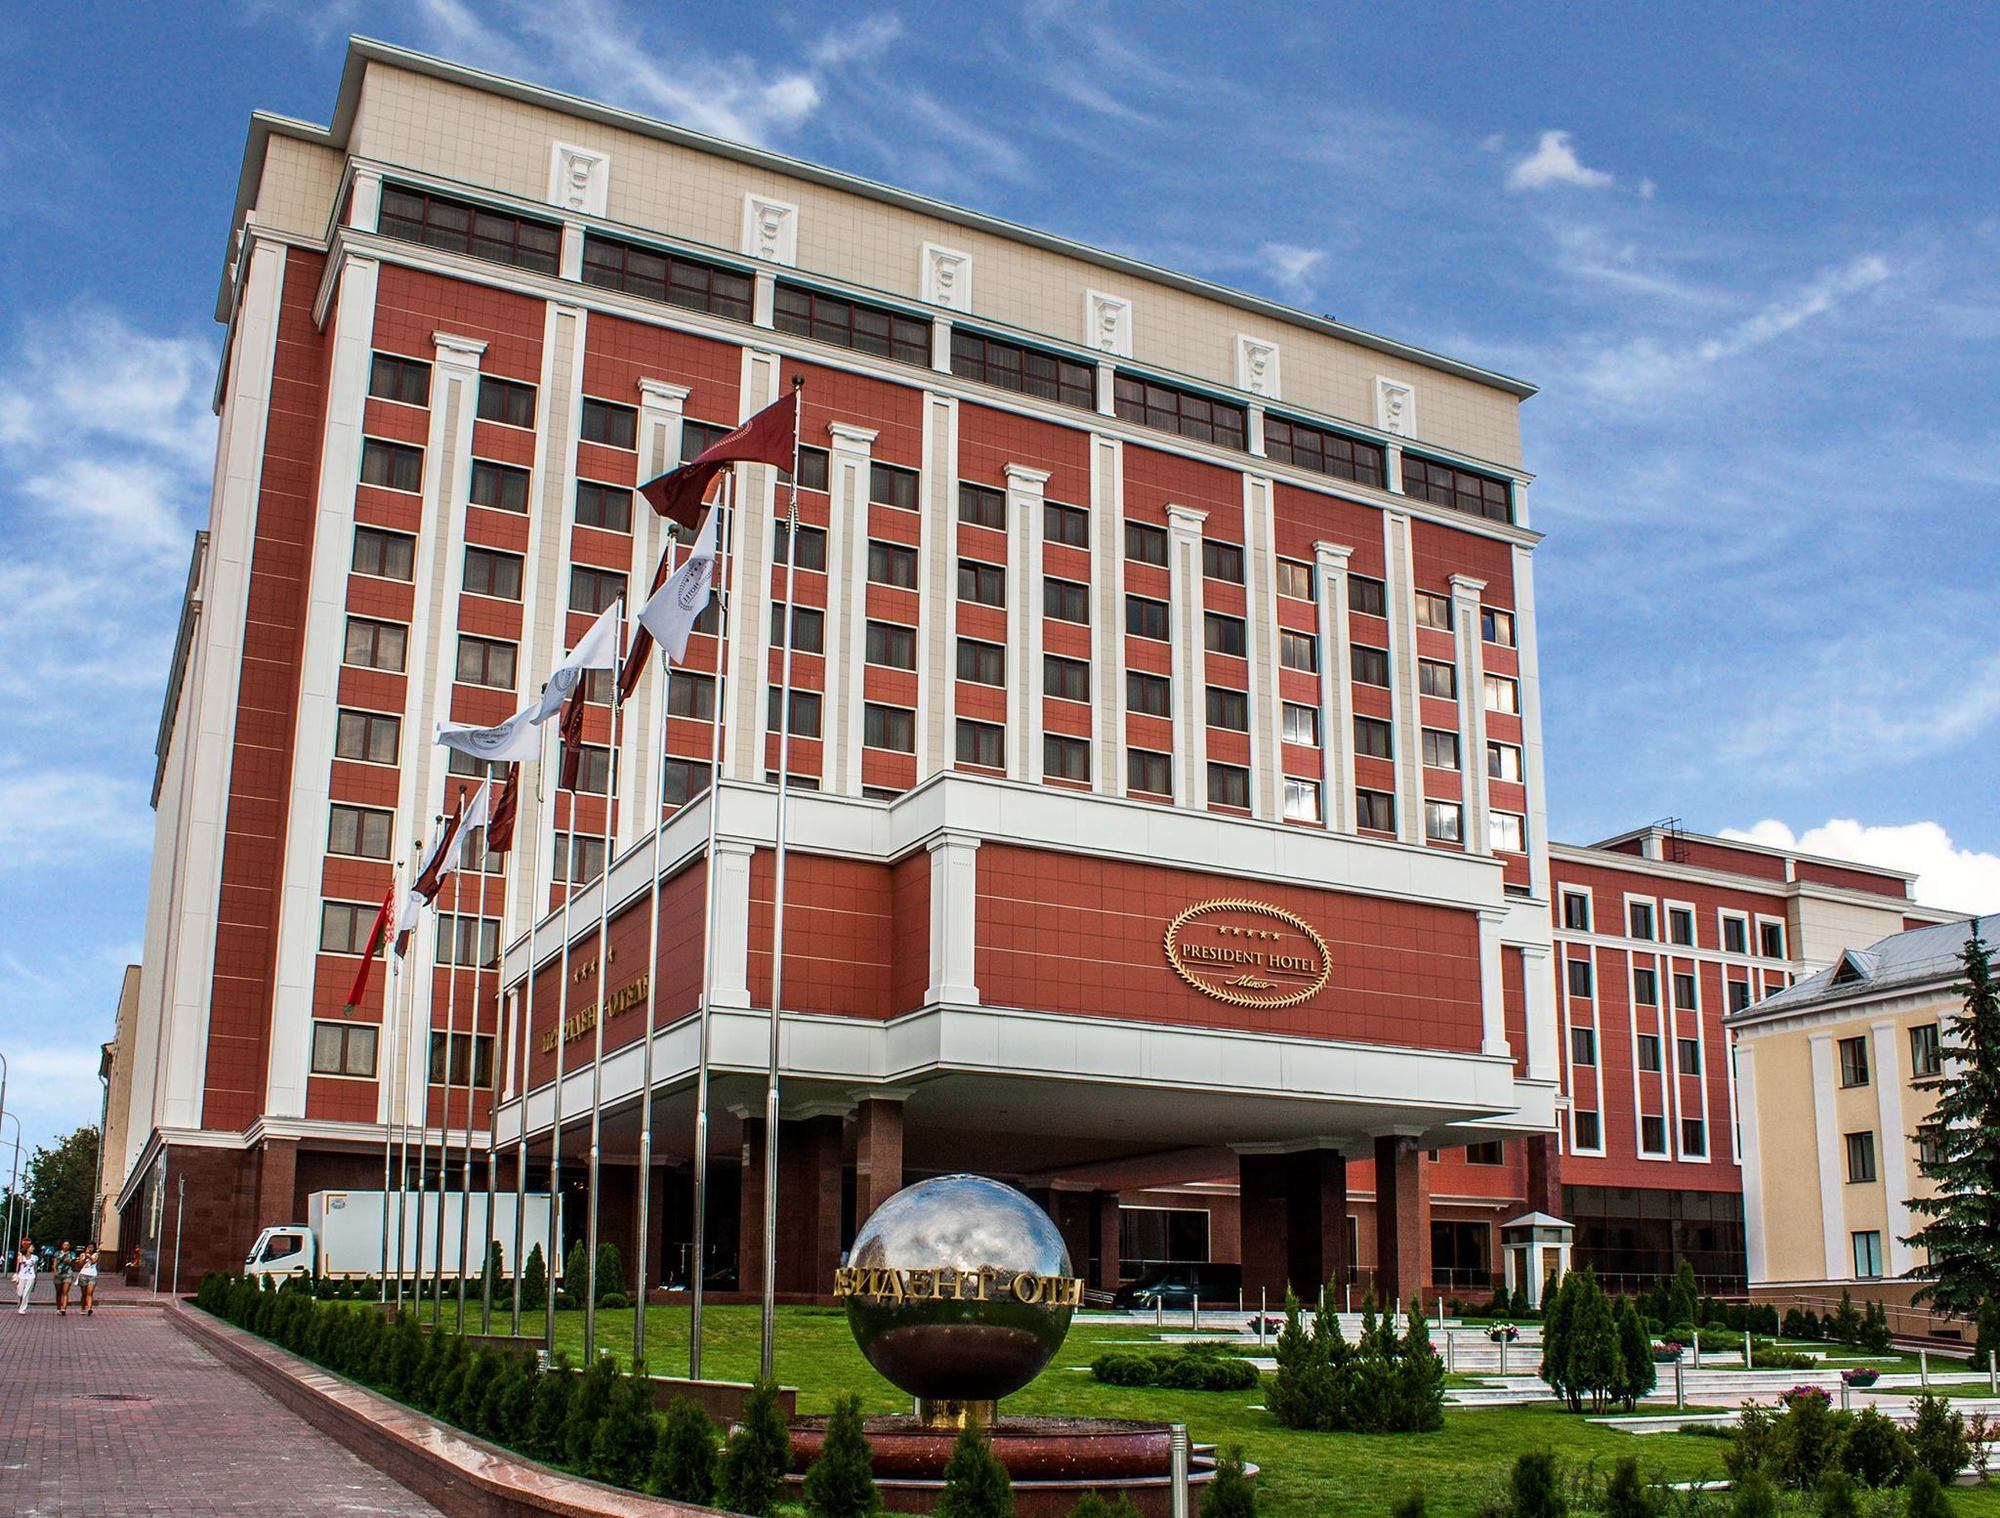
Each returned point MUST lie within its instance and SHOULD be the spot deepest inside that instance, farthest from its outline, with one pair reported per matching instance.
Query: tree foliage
(841, 1483)
(752, 1471)
(1382, 1383)
(58, 1194)
(976, 1484)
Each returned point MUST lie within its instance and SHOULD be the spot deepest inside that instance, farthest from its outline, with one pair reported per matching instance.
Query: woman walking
(24, 1275)
(86, 1277)
(65, 1268)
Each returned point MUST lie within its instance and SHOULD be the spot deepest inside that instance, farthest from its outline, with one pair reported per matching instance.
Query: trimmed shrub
(841, 1483)
(1625, 1495)
(1537, 1492)
(591, 1401)
(1123, 1368)
(621, 1449)
(554, 1390)
(1835, 1498)
(1231, 1494)
(1925, 1498)
(752, 1470)
(684, 1454)
(1937, 1437)
(534, 1282)
(1877, 1452)
(614, 1301)
(976, 1484)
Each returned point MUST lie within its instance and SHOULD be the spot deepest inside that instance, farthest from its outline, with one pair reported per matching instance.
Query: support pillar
(277, 1177)
(1402, 1218)
(808, 1205)
(878, 1156)
(1105, 1237)
(1544, 1175)
(1293, 1221)
(750, 1208)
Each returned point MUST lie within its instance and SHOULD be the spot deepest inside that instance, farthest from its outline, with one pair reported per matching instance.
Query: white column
(1026, 499)
(1188, 655)
(846, 606)
(1392, 467)
(1336, 673)
(1107, 707)
(569, 260)
(662, 414)
(1471, 677)
(750, 588)
(1260, 613)
(1529, 661)
(1826, 1131)
(937, 581)
(1753, 1159)
(1538, 996)
(732, 921)
(954, 896)
(1492, 987)
(1892, 1147)
(364, 201)
(1403, 698)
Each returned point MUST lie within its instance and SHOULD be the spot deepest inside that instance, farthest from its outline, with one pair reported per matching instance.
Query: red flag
(642, 641)
(572, 740)
(438, 864)
(500, 826)
(377, 936)
(769, 437)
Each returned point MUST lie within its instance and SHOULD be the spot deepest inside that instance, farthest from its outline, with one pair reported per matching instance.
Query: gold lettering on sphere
(879, 1284)
(1276, 959)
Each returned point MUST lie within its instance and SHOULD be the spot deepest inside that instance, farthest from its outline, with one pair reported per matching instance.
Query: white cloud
(54, 813)
(1554, 162)
(863, 42)
(1292, 268)
(1948, 877)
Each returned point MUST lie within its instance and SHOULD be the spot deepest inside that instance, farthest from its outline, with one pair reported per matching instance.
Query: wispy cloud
(1948, 877)
(1554, 163)
(1291, 268)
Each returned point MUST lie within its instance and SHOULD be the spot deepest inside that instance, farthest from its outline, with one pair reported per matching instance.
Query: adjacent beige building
(114, 1069)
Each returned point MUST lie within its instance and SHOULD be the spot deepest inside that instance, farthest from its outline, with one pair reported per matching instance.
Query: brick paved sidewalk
(118, 1415)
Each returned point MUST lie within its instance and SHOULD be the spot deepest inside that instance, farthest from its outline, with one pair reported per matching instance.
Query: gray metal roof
(1902, 959)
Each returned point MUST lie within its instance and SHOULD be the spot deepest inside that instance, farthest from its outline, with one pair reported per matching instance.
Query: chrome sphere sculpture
(959, 1291)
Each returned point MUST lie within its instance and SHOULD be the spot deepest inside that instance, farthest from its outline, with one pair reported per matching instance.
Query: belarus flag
(769, 437)
(377, 936)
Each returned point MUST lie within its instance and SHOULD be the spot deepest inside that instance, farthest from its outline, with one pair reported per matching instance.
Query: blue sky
(1751, 255)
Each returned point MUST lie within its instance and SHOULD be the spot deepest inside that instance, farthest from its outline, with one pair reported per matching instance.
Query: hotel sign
(878, 1285)
(583, 1020)
(1248, 953)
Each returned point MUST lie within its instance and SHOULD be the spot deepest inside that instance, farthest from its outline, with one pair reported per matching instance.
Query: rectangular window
(1649, 1053)
(1065, 601)
(1029, 371)
(1295, 579)
(1503, 761)
(1683, 991)
(1489, 1153)
(593, 769)
(1374, 738)
(852, 324)
(1301, 800)
(1444, 822)
(981, 584)
(813, 464)
(1646, 990)
(1067, 525)
(367, 737)
(579, 858)
(982, 743)
(812, 550)
(691, 695)
(1301, 724)
(1066, 758)
(1688, 1051)
(489, 572)
(1145, 617)
(1064, 679)
(805, 713)
(1739, 995)
(1149, 772)
(1435, 679)
(1171, 409)
(343, 927)
(1771, 939)
(1867, 1256)
(1576, 911)
(344, 1049)
(1221, 561)
(359, 831)
(591, 589)
(1502, 694)
(1652, 1134)
(1926, 1051)
(1585, 1130)
(1496, 626)
(1440, 749)
(1861, 1157)
(1736, 935)
(1222, 634)
(486, 661)
(1298, 650)
(1680, 925)
(1369, 597)
(1506, 832)
(391, 377)
(1583, 1046)
(685, 780)
(982, 506)
(471, 1056)
(418, 216)
(499, 486)
(1460, 489)
(1694, 1137)
(1228, 785)
(605, 506)
(465, 764)
(669, 278)
(894, 564)
(1639, 916)
(376, 645)
(1433, 611)
(1145, 543)
(508, 402)
(1579, 977)
(1228, 708)
(1148, 695)
(1375, 811)
(808, 628)
(981, 663)
(890, 727)
(1853, 1061)
(393, 466)
(894, 646)
(471, 942)
(893, 485)
(609, 424)
(1371, 665)
(1323, 452)
(698, 437)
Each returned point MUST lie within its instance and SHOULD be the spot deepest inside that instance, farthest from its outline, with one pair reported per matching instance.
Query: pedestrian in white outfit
(24, 1278)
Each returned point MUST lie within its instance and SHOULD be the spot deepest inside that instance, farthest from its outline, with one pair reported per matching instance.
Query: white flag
(476, 816)
(670, 615)
(514, 740)
(596, 649)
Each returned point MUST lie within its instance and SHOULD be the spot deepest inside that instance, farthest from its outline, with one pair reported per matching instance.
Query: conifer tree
(590, 1402)
(1557, 1340)
(976, 1484)
(1960, 1152)
(554, 1389)
(1683, 1300)
(1637, 1374)
(1924, 1497)
(1594, 1361)
(1625, 1495)
(534, 1282)
(1419, 1376)
(1098, 1505)
(841, 1483)
(1835, 1498)
(1537, 1490)
(1231, 1493)
(684, 1455)
(752, 1470)
(1755, 1498)
(621, 1449)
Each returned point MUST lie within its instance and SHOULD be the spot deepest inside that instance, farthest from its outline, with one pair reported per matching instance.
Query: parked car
(1181, 1285)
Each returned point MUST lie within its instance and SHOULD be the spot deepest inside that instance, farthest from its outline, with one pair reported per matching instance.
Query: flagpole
(444, 1109)
(562, 1038)
(769, 1339)
(493, 1096)
(383, 1068)
(699, 1267)
(536, 906)
(400, 1080)
(603, 999)
(472, 1073)
(428, 979)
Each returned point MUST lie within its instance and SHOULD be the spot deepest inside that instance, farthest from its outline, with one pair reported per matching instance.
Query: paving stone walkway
(118, 1416)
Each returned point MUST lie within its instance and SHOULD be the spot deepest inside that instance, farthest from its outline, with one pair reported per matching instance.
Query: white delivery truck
(342, 1235)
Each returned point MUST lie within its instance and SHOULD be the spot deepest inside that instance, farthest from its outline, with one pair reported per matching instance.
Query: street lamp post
(14, 1181)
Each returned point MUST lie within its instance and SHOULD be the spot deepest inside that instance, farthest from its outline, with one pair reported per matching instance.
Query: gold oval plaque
(1248, 953)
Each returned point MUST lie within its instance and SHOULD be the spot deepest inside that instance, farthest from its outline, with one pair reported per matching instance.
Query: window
(1582, 1044)
(1221, 561)
(1694, 1137)
(896, 647)
(982, 743)
(1684, 999)
(1145, 617)
(1171, 409)
(579, 858)
(1370, 597)
(1373, 737)
(465, 764)
(1639, 915)
(812, 552)
(893, 485)
(1861, 1157)
(1228, 708)
(1503, 761)
(1222, 634)
(1926, 1051)
(1652, 1134)
(1496, 626)
(1649, 1053)
(392, 377)
(500, 486)
(1066, 758)
(1295, 579)
(393, 466)
(486, 661)
(478, 859)
(609, 424)
(1736, 935)
(691, 695)
(605, 506)
(1688, 1053)
(851, 324)
(812, 467)
(375, 645)
(805, 713)
(685, 779)
(508, 402)
(990, 361)
(1148, 695)
(667, 277)
(360, 831)
(1149, 772)
(368, 737)
(1444, 822)
(1435, 679)
(890, 727)
(1371, 665)
(1145, 543)
(1323, 452)
(1853, 1061)
(1068, 525)
(1867, 1255)
(1064, 679)
(344, 1049)
(698, 437)
(1298, 650)
(471, 1061)
(982, 584)
(1460, 489)
(982, 506)
(1680, 925)
(1433, 610)
(417, 216)
(1228, 785)
(1440, 749)
(1576, 911)
(472, 942)
(593, 769)
(1375, 811)
(1771, 939)
(1489, 1153)
(344, 925)
(1931, 1151)
(1646, 992)
(1301, 800)
(592, 590)
(1301, 724)
(981, 663)
(1579, 977)
(1739, 995)
(489, 572)
(1502, 694)
(808, 627)
(1505, 832)
(1065, 600)
(1585, 1131)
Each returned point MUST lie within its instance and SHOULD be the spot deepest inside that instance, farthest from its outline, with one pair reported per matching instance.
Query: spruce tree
(534, 1282)
(576, 1275)
(1835, 1498)
(495, 1269)
(1558, 1341)
(1288, 1400)
(621, 1451)
(684, 1455)
(1924, 1497)
(1594, 1360)
(841, 1483)
(1755, 1498)
(1937, 1437)
(976, 1484)
(589, 1404)
(1324, 1383)
(1683, 1300)
(1625, 1495)
(1231, 1494)
(1960, 1150)
(753, 1465)
(610, 1271)
(554, 1389)
(1637, 1373)
(1419, 1376)
(1537, 1490)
